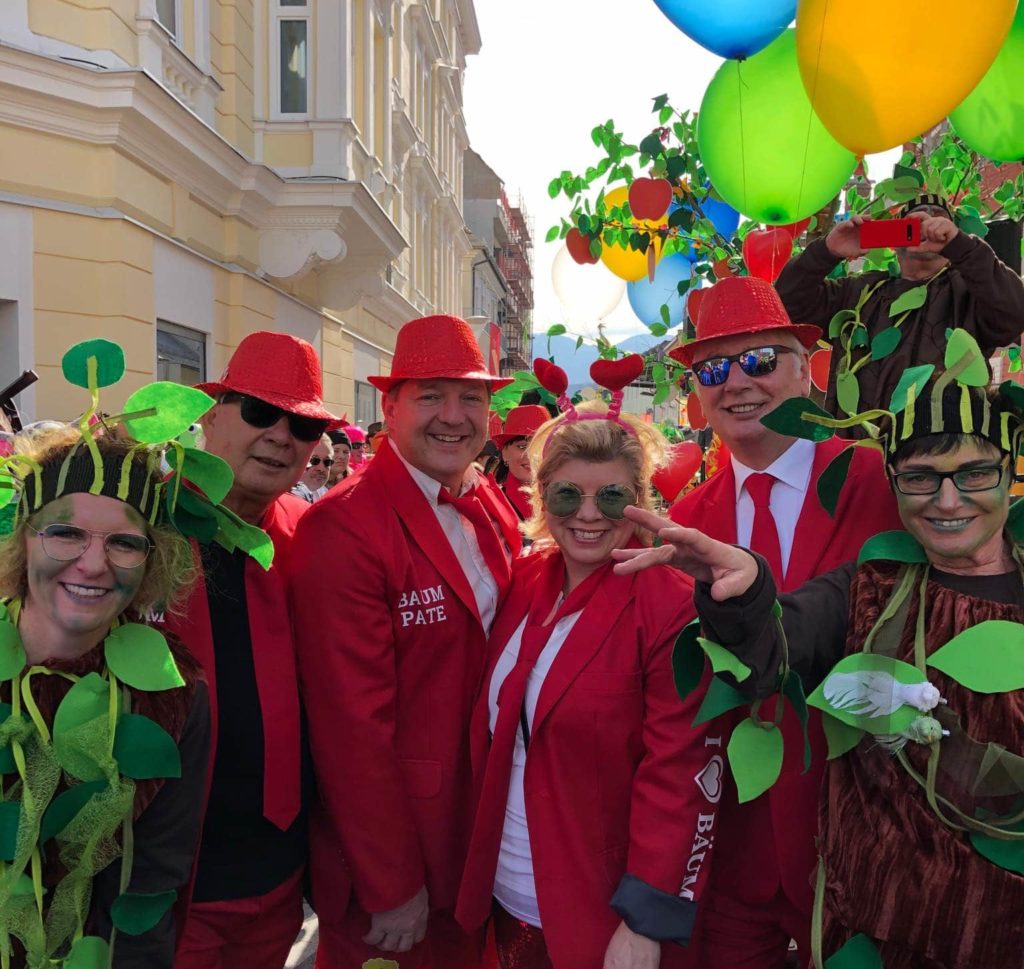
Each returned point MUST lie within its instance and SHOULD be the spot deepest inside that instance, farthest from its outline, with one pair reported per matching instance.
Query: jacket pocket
(422, 777)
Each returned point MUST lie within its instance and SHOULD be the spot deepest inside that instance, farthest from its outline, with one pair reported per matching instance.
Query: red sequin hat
(437, 348)
(738, 305)
(277, 368)
(521, 422)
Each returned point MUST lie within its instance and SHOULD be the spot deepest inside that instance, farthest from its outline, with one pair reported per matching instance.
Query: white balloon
(587, 294)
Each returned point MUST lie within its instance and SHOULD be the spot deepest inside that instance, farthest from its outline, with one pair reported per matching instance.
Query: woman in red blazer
(589, 816)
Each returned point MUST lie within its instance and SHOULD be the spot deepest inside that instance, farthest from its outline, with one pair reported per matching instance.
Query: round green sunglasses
(563, 498)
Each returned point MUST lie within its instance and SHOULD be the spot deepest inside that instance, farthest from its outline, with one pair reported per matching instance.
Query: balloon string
(743, 129)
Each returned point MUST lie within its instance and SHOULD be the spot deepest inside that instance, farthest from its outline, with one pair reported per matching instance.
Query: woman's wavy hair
(170, 569)
(643, 451)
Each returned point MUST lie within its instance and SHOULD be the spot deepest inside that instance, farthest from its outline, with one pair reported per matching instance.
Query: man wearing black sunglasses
(747, 359)
(268, 418)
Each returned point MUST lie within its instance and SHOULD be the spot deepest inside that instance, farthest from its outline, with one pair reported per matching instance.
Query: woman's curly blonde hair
(170, 570)
(597, 441)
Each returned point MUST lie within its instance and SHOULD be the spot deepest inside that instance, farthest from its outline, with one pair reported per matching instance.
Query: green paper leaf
(88, 952)
(895, 546)
(10, 816)
(835, 326)
(793, 690)
(137, 912)
(1006, 854)
(987, 658)
(65, 807)
(864, 685)
(788, 419)
(961, 344)
(722, 661)
(211, 474)
(687, 660)
(859, 953)
(840, 737)
(86, 701)
(177, 409)
(139, 656)
(859, 337)
(1015, 392)
(885, 342)
(109, 363)
(915, 377)
(847, 391)
(12, 652)
(6, 492)
(720, 698)
(972, 225)
(193, 516)
(832, 479)
(912, 299)
(23, 887)
(144, 750)
(755, 758)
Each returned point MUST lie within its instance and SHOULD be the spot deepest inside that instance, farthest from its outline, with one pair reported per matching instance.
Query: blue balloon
(647, 298)
(722, 215)
(730, 28)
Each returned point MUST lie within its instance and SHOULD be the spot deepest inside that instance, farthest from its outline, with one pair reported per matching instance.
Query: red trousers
(254, 933)
(446, 946)
(738, 936)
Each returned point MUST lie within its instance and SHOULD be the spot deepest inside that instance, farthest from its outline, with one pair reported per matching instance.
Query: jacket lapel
(814, 527)
(419, 519)
(714, 513)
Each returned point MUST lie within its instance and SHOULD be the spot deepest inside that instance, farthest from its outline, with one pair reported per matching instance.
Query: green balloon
(991, 118)
(764, 149)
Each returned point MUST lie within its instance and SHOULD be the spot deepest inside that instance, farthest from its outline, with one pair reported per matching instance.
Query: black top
(242, 854)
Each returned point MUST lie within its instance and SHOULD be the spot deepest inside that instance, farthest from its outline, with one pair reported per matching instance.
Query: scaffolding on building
(515, 260)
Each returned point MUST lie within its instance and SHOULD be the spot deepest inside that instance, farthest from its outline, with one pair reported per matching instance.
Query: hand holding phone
(890, 233)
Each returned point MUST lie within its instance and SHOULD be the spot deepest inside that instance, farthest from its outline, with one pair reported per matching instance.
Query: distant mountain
(576, 363)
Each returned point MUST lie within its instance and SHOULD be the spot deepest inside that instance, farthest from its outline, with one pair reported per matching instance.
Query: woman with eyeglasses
(513, 473)
(312, 486)
(106, 725)
(920, 835)
(582, 749)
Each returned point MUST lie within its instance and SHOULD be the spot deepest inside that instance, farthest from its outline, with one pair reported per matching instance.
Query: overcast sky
(548, 72)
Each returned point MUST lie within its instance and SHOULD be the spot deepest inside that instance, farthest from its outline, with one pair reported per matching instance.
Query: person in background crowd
(312, 486)
(967, 286)
(360, 451)
(513, 473)
(413, 558)
(79, 563)
(747, 358)
(579, 719)
(920, 829)
(342, 448)
(246, 905)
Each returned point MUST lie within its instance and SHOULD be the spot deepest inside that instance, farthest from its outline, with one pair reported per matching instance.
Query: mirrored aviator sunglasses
(258, 413)
(563, 498)
(755, 362)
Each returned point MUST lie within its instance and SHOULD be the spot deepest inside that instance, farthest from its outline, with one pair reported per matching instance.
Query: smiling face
(76, 601)
(266, 461)
(959, 530)
(315, 476)
(340, 466)
(734, 409)
(586, 537)
(516, 456)
(438, 426)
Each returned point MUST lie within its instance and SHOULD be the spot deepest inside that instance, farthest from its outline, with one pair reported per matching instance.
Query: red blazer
(391, 654)
(273, 650)
(769, 842)
(610, 770)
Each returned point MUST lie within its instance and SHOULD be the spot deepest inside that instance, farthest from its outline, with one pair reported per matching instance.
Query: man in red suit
(246, 904)
(747, 359)
(413, 557)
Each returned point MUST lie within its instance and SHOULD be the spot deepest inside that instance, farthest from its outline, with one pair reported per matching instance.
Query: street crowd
(448, 714)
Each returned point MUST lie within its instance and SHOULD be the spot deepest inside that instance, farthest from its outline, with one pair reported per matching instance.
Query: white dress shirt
(462, 537)
(792, 469)
(514, 885)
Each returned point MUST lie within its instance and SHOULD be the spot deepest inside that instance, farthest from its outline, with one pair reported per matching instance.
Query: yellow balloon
(629, 264)
(880, 73)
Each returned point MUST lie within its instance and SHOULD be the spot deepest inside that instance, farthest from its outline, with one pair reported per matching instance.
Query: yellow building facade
(176, 174)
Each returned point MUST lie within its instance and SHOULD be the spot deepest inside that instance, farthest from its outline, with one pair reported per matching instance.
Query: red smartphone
(890, 233)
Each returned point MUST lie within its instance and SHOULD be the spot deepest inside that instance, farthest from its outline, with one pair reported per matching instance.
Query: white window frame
(174, 34)
(278, 14)
(187, 333)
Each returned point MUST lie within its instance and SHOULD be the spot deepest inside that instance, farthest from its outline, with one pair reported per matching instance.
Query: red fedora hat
(278, 368)
(739, 305)
(437, 348)
(521, 422)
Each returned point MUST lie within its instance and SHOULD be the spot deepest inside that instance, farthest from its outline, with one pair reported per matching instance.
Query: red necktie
(469, 507)
(485, 842)
(764, 539)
